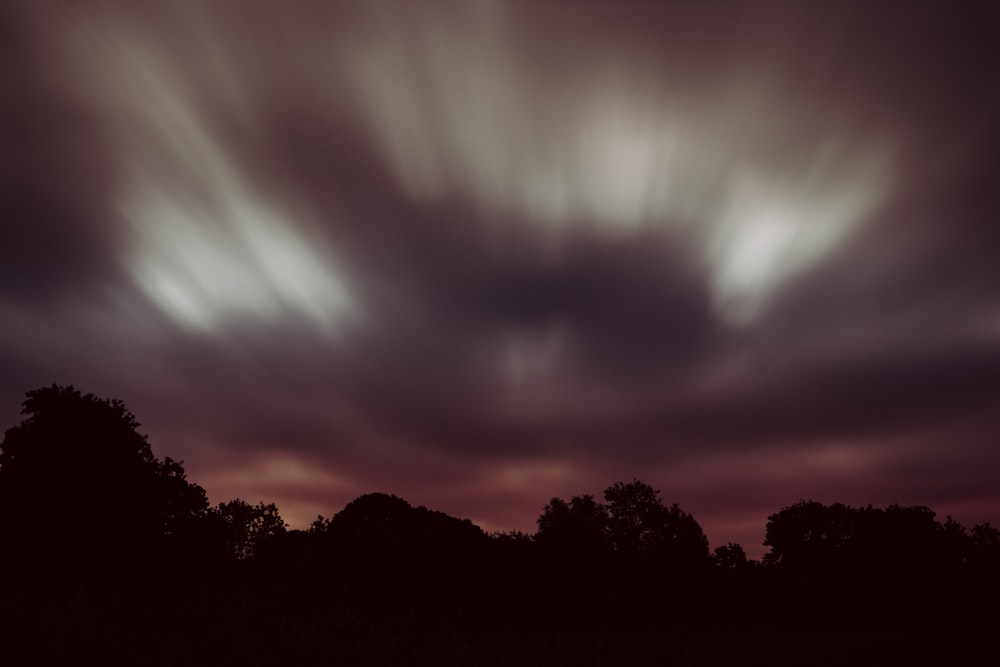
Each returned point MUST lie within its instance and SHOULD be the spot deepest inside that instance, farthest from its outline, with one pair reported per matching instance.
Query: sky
(481, 254)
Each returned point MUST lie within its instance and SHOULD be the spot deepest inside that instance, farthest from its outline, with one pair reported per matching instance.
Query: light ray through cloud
(621, 155)
(202, 243)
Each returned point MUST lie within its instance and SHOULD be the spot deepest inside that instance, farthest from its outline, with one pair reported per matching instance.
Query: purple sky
(479, 254)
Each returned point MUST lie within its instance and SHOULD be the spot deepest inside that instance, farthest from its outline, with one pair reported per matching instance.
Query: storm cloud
(481, 254)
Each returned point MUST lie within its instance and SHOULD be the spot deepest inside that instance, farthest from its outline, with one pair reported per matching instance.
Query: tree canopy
(896, 539)
(633, 521)
(79, 481)
(246, 526)
(581, 525)
(104, 545)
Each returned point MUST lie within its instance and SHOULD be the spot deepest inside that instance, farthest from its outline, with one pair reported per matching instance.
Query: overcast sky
(479, 254)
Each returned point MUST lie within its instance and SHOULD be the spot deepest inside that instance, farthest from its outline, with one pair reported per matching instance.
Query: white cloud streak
(458, 113)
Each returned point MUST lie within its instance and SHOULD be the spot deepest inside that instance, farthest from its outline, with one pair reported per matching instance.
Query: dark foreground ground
(249, 632)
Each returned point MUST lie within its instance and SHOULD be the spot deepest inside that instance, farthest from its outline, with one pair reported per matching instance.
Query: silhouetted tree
(381, 520)
(514, 538)
(616, 554)
(371, 520)
(246, 526)
(896, 541)
(633, 521)
(398, 552)
(639, 523)
(581, 525)
(895, 563)
(730, 557)
(808, 534)
(985, 545)
(320, 525)
(80, 489)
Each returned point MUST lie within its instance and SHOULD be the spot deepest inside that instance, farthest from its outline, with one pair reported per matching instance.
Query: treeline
(112, 554)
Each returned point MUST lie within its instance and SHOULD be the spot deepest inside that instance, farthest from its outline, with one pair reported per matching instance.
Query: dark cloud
(484, 256)
(55, 237)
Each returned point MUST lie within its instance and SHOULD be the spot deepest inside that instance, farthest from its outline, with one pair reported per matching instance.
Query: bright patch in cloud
(206, 247)
(299, 486)
(531, 475)
(458, 114)
(205, 265)
(203, 243)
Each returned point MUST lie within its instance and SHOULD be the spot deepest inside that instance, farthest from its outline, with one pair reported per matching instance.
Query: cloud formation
(481, 254)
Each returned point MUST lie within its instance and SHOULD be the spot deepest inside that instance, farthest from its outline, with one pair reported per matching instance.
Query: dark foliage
(83, 499)
(816, 537)
(111, 555)
(581, 525)
(731, 557)
(246, 527)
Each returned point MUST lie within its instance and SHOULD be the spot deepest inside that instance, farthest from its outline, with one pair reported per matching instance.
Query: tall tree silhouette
(81, 491)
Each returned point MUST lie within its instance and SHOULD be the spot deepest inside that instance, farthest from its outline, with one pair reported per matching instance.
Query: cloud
(760, 182)
(482, 256)
(54, 239)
